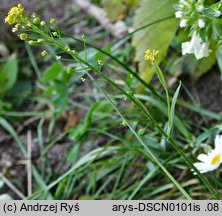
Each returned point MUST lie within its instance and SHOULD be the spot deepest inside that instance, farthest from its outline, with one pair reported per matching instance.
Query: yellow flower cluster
(150, 55)
(17, 15)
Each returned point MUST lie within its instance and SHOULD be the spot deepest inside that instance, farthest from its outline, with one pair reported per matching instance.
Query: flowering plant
(203, 23)
(50, 34)
(212, 160)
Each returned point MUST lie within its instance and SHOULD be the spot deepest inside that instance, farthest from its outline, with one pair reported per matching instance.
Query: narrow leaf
(173, 104)
(219, 57)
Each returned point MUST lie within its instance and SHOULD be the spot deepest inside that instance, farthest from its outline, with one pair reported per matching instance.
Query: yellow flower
(16, 28)
(150, 55)
(17, 15)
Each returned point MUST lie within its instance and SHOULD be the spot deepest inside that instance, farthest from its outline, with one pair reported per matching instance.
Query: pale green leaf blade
(219, 57)
(158, 36)
(52, 73)
(172, 110)
(8, 75)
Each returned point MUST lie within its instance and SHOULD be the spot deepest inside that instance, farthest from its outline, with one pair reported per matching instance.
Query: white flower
(196, 46)
(190, 46)
(179, 14)
(213, 159)
(183, 3)
(201, 23)
(200, 8)
(202, 51)
(217, 13)
(183, 23)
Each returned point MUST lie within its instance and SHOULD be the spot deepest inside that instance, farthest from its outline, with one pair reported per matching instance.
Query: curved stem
(142, 108)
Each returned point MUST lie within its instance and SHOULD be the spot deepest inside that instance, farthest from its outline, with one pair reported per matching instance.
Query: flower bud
(55, 34)
(142, 132)
(183, 4)
(69, 70)
(36, 21)
(100, 62)
(53, 21)
(83, 37)
(83, 79)
(151, 55)
(130, 93)
(201, 23)
(40, 40)
(124, 123)
(73, 52)
(183, 23)
(67, 49)
(42, 23)
(200, 8)
(179, 14)
(17, 15)
(217, 13)
(32, 43)
(44, 53)
(15, 29)
(23, 36)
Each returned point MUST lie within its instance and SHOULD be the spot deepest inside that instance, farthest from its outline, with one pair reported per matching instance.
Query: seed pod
(36, 21)
(142, 132)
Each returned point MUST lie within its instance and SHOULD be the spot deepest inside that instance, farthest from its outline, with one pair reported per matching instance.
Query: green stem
(137, 103)
(151, 155)
(164, 84)
(169, 138)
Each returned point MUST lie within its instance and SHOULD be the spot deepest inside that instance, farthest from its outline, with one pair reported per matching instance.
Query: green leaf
(1, 184)
(164, 84)
(103, 110)
(173, 104)
(98, 111)
(73, 153)
(179, 123)
(131, 3)
(147, 149)
(117, 9)
(61, 99)
(219, 57)
(158, 36)
(8, 75)
(7, 126)
(19, 92)
(92, 56)
(52, 73)
(206, 134)
(81, 129)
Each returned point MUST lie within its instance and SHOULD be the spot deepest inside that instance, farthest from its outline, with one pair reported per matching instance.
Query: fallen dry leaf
(72, 119)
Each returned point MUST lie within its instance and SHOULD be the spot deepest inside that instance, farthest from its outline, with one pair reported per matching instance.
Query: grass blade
(173, 104)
